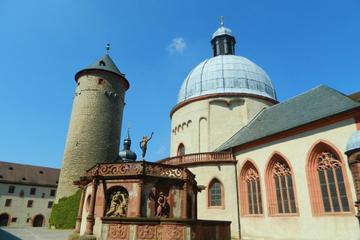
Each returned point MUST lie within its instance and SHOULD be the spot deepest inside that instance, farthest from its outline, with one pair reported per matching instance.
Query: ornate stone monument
(142, 200)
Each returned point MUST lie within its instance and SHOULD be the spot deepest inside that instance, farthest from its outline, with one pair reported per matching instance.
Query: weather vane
(107, 47)
(222, 21)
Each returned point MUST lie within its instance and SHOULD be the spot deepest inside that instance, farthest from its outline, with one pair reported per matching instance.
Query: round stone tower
(95, 124)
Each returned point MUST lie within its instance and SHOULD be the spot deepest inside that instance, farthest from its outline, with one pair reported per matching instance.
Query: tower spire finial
(221, 21)
(107, 48)
(128, 133)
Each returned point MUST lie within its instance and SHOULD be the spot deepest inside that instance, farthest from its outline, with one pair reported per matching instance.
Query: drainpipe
(237, 198)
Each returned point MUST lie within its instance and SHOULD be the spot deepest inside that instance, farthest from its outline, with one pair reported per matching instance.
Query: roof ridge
(27, 165)
(294, 112)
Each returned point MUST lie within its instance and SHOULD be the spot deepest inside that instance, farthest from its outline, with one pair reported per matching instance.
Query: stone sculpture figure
(163, 206)
(143, 144)
(118, 205)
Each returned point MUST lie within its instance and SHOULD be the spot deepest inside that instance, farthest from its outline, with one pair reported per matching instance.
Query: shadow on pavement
(4, 235)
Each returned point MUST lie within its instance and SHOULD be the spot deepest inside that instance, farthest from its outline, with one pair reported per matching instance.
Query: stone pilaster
(90, 220)
(79, 216)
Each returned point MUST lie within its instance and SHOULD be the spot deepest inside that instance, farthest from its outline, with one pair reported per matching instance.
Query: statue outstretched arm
(152, 133)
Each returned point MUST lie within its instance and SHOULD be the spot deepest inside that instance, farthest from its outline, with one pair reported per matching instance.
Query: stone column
(196, 203)
(354, 164)
(79, 216)
(184, 201)
(90, 220)
(139, 194)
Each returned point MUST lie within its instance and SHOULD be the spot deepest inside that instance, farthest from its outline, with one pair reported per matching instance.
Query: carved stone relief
(117, 202)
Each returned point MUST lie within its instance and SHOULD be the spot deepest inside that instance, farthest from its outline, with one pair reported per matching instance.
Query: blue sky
(300, 44)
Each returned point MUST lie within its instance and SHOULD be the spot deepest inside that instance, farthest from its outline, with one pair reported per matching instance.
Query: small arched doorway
(4, 219)
(38, 220)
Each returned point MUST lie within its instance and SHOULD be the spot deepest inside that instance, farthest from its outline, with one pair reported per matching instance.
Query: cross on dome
(221, 21)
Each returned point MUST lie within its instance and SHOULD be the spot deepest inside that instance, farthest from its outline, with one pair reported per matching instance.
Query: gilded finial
(128, 132)
(221, 21)
(107, 47)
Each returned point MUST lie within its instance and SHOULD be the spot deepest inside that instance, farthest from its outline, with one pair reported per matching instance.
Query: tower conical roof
(105, 63)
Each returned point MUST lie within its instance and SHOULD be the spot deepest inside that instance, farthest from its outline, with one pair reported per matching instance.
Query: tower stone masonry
(95, 124)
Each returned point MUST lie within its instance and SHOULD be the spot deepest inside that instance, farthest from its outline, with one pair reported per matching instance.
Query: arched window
(250, 190)
(215, 194)
(181, 150)
(328, 183)
(280, 186)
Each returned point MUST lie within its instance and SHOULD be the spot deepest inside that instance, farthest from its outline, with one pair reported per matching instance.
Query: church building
(242, 165)
(276, 170)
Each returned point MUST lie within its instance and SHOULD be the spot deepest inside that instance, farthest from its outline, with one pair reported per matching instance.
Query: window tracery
(332, 183)
(327, 180)
(254, 201)
(280, 186)
(285, 196)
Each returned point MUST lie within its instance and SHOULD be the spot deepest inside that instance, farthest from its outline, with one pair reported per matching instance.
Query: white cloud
(177, 45)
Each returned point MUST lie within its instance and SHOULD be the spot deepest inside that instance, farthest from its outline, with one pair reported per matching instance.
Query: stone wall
(167, 230)
(304, 224)
(204, 125)
(25, 215)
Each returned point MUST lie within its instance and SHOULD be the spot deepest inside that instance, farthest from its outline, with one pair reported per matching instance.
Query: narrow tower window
(181, 150)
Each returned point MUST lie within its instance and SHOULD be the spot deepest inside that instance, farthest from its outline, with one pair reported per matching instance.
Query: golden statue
(143, 144)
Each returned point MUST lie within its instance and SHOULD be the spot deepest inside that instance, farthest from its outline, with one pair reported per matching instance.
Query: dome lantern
(126, 154)
(223, 42)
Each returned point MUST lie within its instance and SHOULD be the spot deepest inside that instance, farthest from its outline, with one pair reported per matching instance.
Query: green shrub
(64, 213)
(74, 236)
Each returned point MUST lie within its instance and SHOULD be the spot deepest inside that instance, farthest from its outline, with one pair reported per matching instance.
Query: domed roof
(222, 31)
(126, 154)
(226, 74)
(353, 142)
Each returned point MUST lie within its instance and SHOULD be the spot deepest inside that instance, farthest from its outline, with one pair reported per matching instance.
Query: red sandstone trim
(313, 181)
(138, 206)
(200, 158)
(90, 218)
(244, 205)
(222, 206)
(270, 186)
(297, 130)
(217, 95)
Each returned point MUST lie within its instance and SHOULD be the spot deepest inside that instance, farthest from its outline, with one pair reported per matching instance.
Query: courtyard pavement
(33, 234)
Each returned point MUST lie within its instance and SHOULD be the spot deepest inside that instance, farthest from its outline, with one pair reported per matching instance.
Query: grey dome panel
(226, 74)
(353, 142)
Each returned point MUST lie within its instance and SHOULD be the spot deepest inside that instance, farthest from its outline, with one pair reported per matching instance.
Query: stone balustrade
(198, 158)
